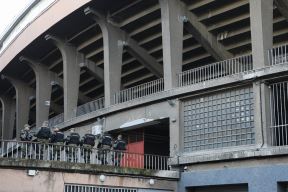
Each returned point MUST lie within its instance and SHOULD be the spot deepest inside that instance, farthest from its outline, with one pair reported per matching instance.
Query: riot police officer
(57, 139)
(72, 141)
(88, 142)
(119, 146)
(43, 136)
(104, 147)
(26, 137)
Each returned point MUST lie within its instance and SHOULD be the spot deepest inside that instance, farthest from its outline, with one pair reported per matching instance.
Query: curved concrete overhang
(59, 10)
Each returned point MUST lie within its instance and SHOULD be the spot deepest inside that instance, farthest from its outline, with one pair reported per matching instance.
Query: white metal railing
(278, 55)
(80, 154)
(279, 113)
(90, 107)
(139, 91)
(216, 70)
(56, 120)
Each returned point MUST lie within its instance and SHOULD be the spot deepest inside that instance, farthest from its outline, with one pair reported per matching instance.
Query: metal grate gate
(220, 120)
(279, 113)
(91, 188)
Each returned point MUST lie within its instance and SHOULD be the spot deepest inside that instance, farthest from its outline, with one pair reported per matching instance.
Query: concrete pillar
(175, 129)
(23, 96)
(8, 117)
(43, 89)
(71, 75)
(262, 114)
(172, 41)
(261, 19)
(113, 50)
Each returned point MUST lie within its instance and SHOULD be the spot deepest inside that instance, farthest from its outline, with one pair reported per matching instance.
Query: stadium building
(197, 88)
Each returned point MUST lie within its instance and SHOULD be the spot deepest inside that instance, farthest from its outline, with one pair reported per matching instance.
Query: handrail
(81, 154)
(139, 91)
(278, 55)
(216, 70)
(90, 107)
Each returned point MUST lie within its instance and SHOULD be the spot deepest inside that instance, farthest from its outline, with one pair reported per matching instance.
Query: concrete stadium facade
(203, 82)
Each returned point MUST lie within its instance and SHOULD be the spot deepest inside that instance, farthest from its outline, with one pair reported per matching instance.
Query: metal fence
(278, 55)
(139, 91)
(279, 113)
(93, 188)
(81, 154)
(90, 107)
(56, 120)
(216, 70)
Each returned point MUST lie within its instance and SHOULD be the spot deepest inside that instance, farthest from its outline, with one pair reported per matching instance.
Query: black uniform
(25, 136)
(119, 146)
(72, 141)
(57, 139)
(88, 142)
(43, 136)
(104, 148)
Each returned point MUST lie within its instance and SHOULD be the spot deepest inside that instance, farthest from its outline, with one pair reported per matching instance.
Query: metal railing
(278, 55)
(139, 91)
(56, 120)
(95, 188)
(81, 154)
(216, 70)
(279, 113)
(90, 107)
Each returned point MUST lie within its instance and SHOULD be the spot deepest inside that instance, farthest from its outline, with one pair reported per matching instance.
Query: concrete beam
(282, 6)
(43, 89)
(93, 69)
(23, 97)
(201, 34)
(261, 21)
(130, 44)
(114, 39)
(71, 74)
(172, 40)
(8, 116)
(54, 79)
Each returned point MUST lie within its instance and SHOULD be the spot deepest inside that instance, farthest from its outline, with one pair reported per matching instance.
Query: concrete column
(71, 75)
(23, 96)
(43, 89)
(172, 40)
(113, 42)
(113, 52)
(175, 129)
(261, 19)
(8, 117)
(262, 114)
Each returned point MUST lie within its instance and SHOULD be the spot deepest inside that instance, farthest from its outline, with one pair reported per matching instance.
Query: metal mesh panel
(220, 120)
(89, 188)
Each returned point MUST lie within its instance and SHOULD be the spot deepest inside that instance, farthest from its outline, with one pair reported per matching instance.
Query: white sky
(9, 10)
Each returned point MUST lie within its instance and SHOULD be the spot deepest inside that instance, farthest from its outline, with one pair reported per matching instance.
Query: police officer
(57, 139)
(26, 137)
(104, 147)
(119, 146)
(72, 141)
(88, 142)
(43, 136)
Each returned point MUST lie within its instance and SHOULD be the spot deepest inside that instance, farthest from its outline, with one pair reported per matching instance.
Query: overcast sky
(9, 10)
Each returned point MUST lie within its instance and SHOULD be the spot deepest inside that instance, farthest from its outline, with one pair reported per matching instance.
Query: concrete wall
(259, 178)
(153, 111)
(12, 180)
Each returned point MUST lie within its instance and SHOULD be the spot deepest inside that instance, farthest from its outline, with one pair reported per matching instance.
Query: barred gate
(91, 188)
(279, 115)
